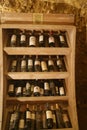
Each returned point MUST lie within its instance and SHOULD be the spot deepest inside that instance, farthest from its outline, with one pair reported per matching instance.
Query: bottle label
(23, 63)
(32, 40)
(49, 114)
(13, 38)
(33, 116)
(23, 38)
(43, 65)
(28, 115)
(46, 86)
(57, 90)
(37, 62)
(21, 123)
(19, 89)
(11, 88)
(41, 38)
(61, 89)
(62, 38)
(14, 62)
(30, 62)
(12, 118)
(65, 118)
(36, 89)
(51, 39)
(59, 62)
(28, 86)
(41, 91)
(54, 118)
(50, 62)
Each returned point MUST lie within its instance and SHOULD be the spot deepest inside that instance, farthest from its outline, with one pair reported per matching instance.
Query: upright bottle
(36, 88)
(41, 39)
(61, 87)
(59, 117)
(51, 64)
(23, 39)
(51, 39)
(19, 89)
(11, 89)
(27, 89)
(49, 117)
(32, 39)
(39, 124)
(23, 66)
(54, 117)
(46, 88)
(28, 118)
(14, 64)
(33, 119)
(67, 123)
(22, 121)
(52, 87)
(37, 64)
(44, 67)
(30, 64)
(13, 40)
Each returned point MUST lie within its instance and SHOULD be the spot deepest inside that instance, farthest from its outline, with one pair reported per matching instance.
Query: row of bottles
(26, 88)
(47, 116)
(38, 38)
(37, 63)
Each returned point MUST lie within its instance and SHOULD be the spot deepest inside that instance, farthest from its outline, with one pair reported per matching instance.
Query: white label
(51, 39)
(32, 40)
(28, 115)
(14, 62)
(61, 89)
(30, 62)
(65, 118)
(41, 38)
(46, 86)
(49, 114)
(37, 62)
(13, 38)
(50, 62)
(62, 38)
(59, 62)
(19, 90)
(23, 63)
(37, 89)
(43, 65)
(23, 38)
(11, 87)
(12, 118)
(21, 123)
(33, 116)
(27, 86)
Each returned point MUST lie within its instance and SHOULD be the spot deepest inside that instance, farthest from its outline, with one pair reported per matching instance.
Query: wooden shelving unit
(23, 21)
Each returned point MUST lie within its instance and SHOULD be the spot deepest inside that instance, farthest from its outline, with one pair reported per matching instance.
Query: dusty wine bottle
(44, 119)
(46, 88)
(27, 89)
(19, 89)
(50, 64)
(22, 121)
(51, 39)
(37, 64)
(33, 119)
(44, 66)
(13, 40)
(14, 64)
(54, 117)
(49, 117)
(23, 39)
(66, 120)
(41, 39)
(11, 89)
(59, 63)
(61, 88)
(36, 88)
(32, 39)
(52, 87)
(30, 64)
(23, 64)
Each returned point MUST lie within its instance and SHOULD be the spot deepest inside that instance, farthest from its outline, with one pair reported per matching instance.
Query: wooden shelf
(37, 50)
(37, 75)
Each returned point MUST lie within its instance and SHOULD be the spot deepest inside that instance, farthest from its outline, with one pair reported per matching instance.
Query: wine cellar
(38, 72)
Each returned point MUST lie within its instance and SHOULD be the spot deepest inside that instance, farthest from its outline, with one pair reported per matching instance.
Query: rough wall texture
(76, 7)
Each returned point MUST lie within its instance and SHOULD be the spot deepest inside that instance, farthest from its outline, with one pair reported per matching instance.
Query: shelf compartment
(38, 75)
(37, 50)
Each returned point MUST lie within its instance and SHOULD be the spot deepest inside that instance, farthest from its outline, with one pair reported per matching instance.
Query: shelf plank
(38, 99)
(37, 50)
(37, 75)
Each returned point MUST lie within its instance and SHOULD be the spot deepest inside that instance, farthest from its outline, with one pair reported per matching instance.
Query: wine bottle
(46, 88)
(32, 39)
(41, 88)
(23, 39)
(14, 64)
(59, 117)
(62, 38)
(33, 119)
(61, 87)
(44, 119)
(36, 88)
(66, 120)
(23, 64)
(37, 64)
(19, 89)
(50, 64)
(28, 118)
(57, 87)
(41, 39)
(49, 117)
(30, 64)
(60, 64)
(52, 87)
(54, 117)
(22, 121)
(51, 39)
(11, 89)
(27, 89)
(44, 66)
(39, 124)
(13, 40)
(32, 88)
